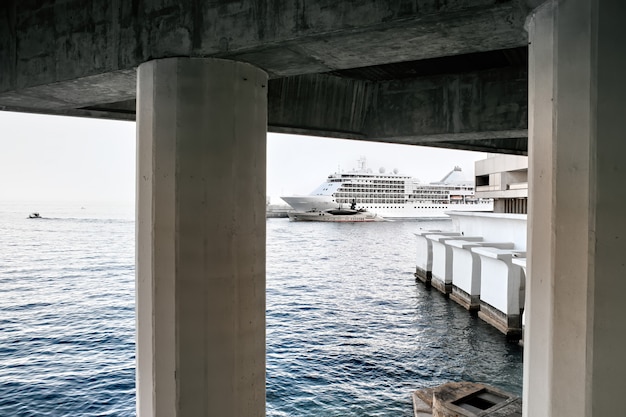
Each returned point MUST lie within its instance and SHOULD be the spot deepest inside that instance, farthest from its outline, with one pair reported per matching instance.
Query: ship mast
(362, 163)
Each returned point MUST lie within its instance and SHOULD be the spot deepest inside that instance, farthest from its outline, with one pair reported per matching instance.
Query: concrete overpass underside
(446, 74)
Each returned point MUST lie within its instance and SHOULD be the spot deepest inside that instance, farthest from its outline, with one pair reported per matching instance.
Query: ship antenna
(362, 163)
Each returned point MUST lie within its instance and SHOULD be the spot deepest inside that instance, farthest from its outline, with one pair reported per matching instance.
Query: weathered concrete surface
(201, 260)
(469, 399)
(456, 108)
(64, 97)
(480, 110)
(574, 364)
(452, 108)
(79, 57)
(57, 40)
(321, 105)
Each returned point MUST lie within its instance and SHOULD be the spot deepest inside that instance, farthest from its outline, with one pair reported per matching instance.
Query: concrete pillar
(466, 271)
(423, 270)
(500, 290)
(442, 260)
(201, 127)
(574, 362)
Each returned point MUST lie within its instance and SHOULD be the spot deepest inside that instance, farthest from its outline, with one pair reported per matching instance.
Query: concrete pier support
(201, 128)
(501, 290)
(442, 261)
(574, 362)
(521, 262)
(424, 261)
(466, 271)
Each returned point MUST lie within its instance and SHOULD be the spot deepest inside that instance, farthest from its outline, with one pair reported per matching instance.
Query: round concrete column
(574, 363)
(201, 157)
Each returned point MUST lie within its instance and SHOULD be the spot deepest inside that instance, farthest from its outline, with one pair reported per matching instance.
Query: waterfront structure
(465, 399)
(442, 261)
(450, 74)
(466, 271)
(487, 275)
(392, 195)
(501, 290)
(503, 178)
(276, 211)
(471, 274)
(493, 227)
(477, 274)
(424, 254)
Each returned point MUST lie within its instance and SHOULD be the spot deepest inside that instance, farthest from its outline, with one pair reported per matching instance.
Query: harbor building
(206, 80)
(478, 264)
(504, 178)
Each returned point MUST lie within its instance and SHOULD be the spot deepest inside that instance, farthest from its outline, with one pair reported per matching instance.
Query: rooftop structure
(505, 179)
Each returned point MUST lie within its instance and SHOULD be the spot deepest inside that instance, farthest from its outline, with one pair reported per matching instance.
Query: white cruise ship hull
(428, 211)
(397, 211)
(311, 202)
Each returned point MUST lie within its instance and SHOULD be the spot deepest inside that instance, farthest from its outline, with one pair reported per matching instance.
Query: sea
(349, 330)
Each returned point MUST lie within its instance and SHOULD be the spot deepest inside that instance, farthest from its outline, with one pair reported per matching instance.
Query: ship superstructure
(393, 195)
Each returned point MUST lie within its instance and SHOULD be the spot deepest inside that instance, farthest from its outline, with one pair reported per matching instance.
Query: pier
(478, 272)
(465, 399)
(277, 211)
(466, 271)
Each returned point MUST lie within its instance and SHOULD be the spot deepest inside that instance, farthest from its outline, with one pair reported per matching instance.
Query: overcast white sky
(58, 159)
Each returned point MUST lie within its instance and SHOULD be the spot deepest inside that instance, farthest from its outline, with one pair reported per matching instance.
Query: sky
(70, 159)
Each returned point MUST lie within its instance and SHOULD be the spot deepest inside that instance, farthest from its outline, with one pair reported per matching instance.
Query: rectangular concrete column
(201, 127)
(423, 270)
(574, 363)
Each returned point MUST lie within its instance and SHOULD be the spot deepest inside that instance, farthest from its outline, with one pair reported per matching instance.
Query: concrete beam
(60, 40)
(482, 110)
(73, 94)
(79, 58)
(320, 105)
(512, 146)
(456, 107)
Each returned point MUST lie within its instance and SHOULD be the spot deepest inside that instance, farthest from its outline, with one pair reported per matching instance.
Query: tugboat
(34, 215)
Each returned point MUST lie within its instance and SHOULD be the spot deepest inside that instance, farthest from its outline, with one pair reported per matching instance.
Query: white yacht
(393, 196)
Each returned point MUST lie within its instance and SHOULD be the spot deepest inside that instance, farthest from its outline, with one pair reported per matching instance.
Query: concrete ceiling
(79, 57)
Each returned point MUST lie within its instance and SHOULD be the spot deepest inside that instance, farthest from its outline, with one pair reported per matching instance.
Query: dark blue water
(349, 332)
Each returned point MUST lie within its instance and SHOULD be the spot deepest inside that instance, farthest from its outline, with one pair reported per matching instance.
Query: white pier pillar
(466, 271)
(442, 261)
(501, 290)
(201, 156)
(574, 362)
(424, 267)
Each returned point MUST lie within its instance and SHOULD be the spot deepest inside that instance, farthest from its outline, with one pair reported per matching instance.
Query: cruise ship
(392, 195)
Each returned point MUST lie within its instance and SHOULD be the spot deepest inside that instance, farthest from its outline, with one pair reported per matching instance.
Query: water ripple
(349, 332)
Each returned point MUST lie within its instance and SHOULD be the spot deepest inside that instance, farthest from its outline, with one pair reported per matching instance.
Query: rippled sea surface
(349, 331)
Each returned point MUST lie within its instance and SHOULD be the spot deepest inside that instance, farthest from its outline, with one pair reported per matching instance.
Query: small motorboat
(34, 215)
